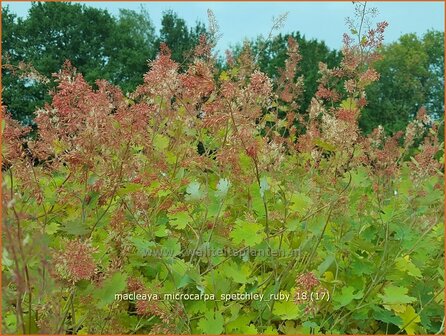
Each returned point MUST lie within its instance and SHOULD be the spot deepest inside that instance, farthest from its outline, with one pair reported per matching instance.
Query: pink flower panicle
(76, 261)
(307, 281)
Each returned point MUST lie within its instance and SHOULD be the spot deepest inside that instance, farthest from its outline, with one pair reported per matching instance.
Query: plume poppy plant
(207, 181)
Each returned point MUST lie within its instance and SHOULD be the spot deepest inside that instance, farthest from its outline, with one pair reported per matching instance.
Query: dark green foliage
(16, 94)
(179, 37)
(412, 75)
(131, 46)
(51, 34)
(99, 45)
(272, 54)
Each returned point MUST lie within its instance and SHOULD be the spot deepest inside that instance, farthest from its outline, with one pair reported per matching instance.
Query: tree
(178, 36)
(272, 54)
(412, 76)
(132, 45)
(55, 32)
(99, 45)
(51, 34)
(18, 93)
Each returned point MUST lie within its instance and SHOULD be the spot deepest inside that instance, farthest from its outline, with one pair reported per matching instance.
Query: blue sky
(322, 20)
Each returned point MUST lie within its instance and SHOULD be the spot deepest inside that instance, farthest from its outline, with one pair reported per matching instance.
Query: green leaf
(179, 220)
(194, 192)
(129, 188)
(290, 328)
(6, 261)
(345, 297)
(10, 319)
(171, 247)
(394, 295)
(249, 330)
(143, 246)
(324, 145)
(292, 224)
(269, 117)
(111, 286)
(404, 264)
(270, 331)
(241, 325)
(137, 149)
(264, 186)
(162, 231)
(223, 187)
(184, 281)
(361, 266)
(224, 76)
(286, 310)
(325, 264)
(250, 233)
(160, 142)
(238, 273)
(349, 104)
(284, 108)
(257, 200)
(300, 202)
(211, 324)
(410, 320)
(311, 327)
(386, 316)
(75, 228)
(196, 307)
(52, 228)
(58, 147)
(363, 40)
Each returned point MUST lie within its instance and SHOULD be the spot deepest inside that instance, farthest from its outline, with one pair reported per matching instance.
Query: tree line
(117, 48)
